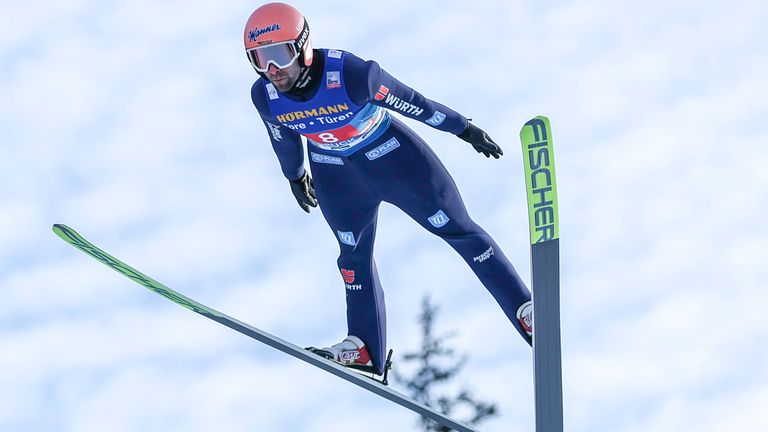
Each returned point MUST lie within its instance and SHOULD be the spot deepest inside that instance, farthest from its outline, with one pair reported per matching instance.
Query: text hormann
(314, 112)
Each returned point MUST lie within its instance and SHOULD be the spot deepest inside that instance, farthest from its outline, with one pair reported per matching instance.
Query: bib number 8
(328, 137)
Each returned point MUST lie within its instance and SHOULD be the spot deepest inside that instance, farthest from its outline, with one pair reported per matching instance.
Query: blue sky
(132, 123)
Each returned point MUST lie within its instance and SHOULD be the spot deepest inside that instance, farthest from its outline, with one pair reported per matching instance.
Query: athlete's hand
(304, 191)
(480, 141)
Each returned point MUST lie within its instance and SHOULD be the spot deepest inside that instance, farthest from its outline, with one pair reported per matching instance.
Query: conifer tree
(438, 364)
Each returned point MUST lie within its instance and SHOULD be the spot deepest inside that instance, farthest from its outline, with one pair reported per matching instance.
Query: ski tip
(57, 228)
(62, 230)
(537, 119)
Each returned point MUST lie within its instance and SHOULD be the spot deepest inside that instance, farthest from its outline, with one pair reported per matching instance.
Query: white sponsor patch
(436, 119)
(403, 106)
(350, 356)
(333, 79)
(334, 53)
(383, 149)
(325, 159)
(275, 131)
(272, 92)
(347, 237)
(438, 219)
(484, 256)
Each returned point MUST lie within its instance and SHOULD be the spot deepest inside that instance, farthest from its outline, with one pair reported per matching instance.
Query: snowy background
(132, 123)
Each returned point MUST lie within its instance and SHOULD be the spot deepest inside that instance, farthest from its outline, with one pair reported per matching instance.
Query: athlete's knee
(449, 225)
(348, 241)
(355, 260)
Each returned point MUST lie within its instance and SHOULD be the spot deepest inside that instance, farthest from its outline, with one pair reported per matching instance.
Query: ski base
(541, 185)
(373, 385)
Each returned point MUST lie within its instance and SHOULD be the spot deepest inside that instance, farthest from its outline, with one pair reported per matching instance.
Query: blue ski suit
(359, 156)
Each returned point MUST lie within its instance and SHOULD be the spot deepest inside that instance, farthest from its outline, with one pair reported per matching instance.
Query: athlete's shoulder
(257, 89)
(356, 64)
(259, 96)
(361, 77)
(352, 63)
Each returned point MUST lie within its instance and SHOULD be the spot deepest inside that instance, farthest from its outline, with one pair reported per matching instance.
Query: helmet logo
(303, 37)
(255, 33)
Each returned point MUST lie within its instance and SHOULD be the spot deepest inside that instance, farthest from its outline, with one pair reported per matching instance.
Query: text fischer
(539, 161)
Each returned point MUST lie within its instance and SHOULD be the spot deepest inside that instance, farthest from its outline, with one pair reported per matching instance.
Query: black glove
(304, 191)
(480, 141)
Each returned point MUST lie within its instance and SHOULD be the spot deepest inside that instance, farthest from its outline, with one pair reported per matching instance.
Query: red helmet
(278, 34)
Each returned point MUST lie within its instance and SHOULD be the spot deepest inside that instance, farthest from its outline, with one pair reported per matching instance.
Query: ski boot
(525, 317)
(351, 352)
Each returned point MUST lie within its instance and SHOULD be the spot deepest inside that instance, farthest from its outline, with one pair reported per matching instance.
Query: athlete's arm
(381, 88)
(285, 142)
(367, 82)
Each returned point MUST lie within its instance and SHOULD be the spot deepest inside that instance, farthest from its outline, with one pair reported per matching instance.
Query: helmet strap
(304, 79)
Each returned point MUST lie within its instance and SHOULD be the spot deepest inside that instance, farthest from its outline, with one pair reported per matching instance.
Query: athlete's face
(283, 79)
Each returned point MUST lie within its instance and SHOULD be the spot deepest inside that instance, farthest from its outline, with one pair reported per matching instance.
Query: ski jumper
(360, 156)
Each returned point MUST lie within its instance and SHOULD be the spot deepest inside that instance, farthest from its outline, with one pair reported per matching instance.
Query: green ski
(541, 185)
(72, 237)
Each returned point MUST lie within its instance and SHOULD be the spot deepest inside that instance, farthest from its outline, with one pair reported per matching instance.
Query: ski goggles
(281, 55)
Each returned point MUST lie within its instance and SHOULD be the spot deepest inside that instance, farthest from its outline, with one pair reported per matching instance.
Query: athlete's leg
(412, 177)
(350, 207)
